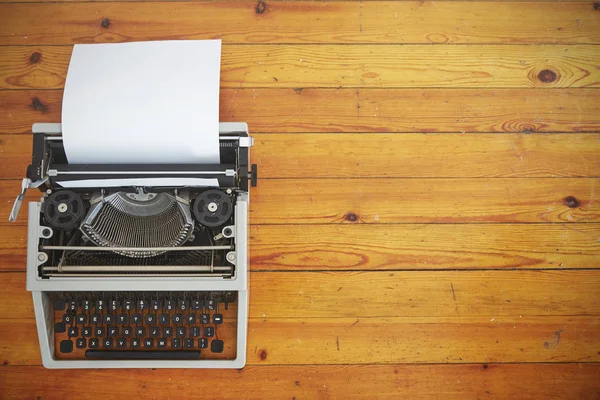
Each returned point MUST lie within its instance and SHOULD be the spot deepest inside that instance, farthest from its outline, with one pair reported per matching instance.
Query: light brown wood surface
(427, 220)
(354, 110)
(295, 66)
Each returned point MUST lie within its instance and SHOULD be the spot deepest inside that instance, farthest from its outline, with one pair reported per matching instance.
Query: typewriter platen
(139, 265)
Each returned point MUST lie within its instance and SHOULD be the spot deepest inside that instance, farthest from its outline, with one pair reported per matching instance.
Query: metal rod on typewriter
(140, 268)
(99, 248)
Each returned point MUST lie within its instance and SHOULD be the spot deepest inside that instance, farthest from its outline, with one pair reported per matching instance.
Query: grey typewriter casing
(42, 286)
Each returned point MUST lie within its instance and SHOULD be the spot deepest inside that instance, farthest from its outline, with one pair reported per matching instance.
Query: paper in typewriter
(144, 102)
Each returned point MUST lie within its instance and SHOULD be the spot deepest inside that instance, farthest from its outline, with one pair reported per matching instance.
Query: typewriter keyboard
(145, 325)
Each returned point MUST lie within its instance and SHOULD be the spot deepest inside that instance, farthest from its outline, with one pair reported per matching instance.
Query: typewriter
(129, 275)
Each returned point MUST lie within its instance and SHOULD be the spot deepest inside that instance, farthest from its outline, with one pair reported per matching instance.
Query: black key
(188, 343)
(66, 346)
(161, 343)
(177, 318)
(121, 343)
(59, 305)
(154, 331)
(211, 304)
(60, 327)
(82, 319)
(196, 305)
(86, 305)
(183, 305)
(150, 318)
(142, 305)
(169, 305)
(209, 331)
(191, 319)
(180, 331)
(168, 331)
(94, 343)
(100, 305)
(127, 331)
(140, 331)
(81, 343)
(68, 318)
(143, 355)
(134, 343)
(163, 319)
(73, 331)
(113, 331)
(136, 319)
(114, 305)
(95, 319)
(217, 319)
(109, 318)
(122, 319)
(175, 343)
(100, 332)
(107, 343)
(128, 305)
(195, 331)
(73, 306)
(155, 305)
(203, 343)
(216, 346)
(148, 343)
(205, 318)
(86, 331)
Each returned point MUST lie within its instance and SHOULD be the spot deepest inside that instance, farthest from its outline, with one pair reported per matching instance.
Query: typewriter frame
(239, 282)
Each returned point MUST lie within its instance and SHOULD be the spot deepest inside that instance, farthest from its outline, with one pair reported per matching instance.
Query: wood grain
(383, 340)
(365, 110)
(465, 381)
(386, 201)
(369, 247)
(289, 66)
(301, 22)
(357, 155)
(432, 296)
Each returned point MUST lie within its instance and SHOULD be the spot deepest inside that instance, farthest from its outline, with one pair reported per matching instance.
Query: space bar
(143, 355)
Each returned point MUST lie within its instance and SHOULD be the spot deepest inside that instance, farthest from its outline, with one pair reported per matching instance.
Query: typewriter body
(139, 265)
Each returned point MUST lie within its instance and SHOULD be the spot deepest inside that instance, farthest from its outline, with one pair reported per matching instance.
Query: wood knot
(35, 58)
(597, 5)
(547, 76)
(485, 366)
(571, 202)
(263, 355)
(261, 7)
(298, 90)
(351, 217)
(37, 105)
(105, 23)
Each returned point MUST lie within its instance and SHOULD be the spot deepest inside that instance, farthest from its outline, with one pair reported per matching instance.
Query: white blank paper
(145, 102)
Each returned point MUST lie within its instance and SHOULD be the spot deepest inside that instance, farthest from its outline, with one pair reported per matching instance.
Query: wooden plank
(369, 247)
(385, 201)
(523, 381)
(395, 156)
(483, 295)
(383, 340)
(289, 66)
(301, 22)
(365, 110)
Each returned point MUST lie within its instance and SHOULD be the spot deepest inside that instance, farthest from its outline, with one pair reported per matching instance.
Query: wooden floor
(427, 221)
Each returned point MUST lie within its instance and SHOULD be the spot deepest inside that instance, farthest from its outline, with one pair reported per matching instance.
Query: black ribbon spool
(64, 210)
(213, 208)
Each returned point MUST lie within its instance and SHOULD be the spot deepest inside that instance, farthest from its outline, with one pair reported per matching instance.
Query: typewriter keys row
(145, 325)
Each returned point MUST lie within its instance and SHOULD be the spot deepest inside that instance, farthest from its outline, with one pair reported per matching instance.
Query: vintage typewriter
(124, 275)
